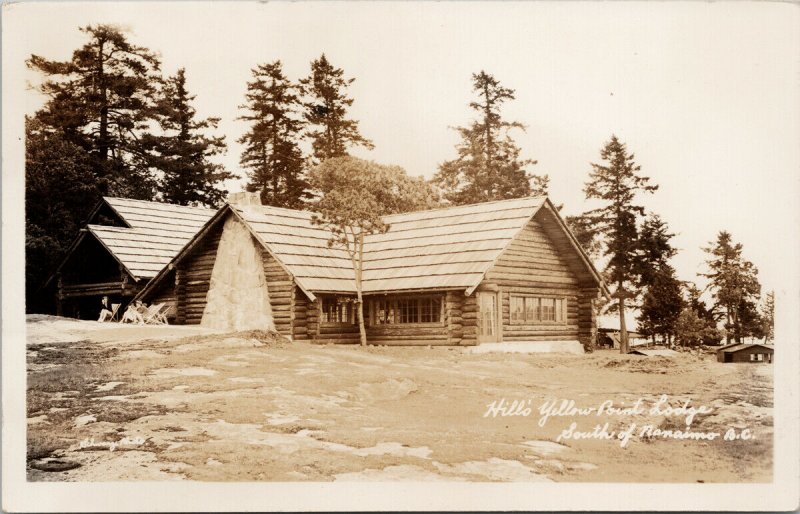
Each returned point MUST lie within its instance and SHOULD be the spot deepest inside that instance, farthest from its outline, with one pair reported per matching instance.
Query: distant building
(742, 352)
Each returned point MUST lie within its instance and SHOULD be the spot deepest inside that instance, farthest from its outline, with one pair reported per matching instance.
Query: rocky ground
(175, 403)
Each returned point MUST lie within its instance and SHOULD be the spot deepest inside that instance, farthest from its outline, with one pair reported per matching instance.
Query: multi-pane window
(536, 309)
(517, 309)
(426, 309)
(338, 310)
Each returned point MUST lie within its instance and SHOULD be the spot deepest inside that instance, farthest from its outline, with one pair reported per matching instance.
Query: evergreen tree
(699, 307)
(662, 299)
(60, 191)
(101, 101)
(272, 153)
(617, 183)
(752, 324)
(662, 303)
(584, 231)
(768, 316)
(488, 166)
(733, 282)
(691, 330)
(326, 105)
(182, 151)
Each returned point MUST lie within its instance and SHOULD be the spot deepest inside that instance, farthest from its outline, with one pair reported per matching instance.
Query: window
(752, 357)
(517, 309)
(338, 310)
(760, 357)
(427, 309)
(536, 309)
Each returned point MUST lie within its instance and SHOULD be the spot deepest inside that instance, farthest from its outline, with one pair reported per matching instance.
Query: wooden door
(488, 318)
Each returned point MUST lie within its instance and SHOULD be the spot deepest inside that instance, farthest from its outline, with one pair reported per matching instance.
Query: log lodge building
(504, 271)
(124, 244)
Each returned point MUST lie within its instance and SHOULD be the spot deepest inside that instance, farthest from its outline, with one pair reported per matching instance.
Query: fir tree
(101, 101)
(326, 106)
(183, 152)
(768, 316)
(60, 191)
(488, 166)
(584, 231)
(617, 184)
(733, 282)
(272, 153)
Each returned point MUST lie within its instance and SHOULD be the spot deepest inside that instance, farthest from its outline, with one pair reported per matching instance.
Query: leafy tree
(101, 100)
(617, 183)
(59, 194)
(488, 166)
(182, 151)
(326, 105)
(733, 281)
(272, 145)
(691, 330)
(354, 195)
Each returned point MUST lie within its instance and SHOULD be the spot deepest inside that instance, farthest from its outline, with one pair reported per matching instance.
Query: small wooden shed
(123, 245)
(744, 352)
(492, 272)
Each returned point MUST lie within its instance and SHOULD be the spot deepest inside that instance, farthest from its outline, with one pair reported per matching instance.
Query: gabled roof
(154, 233)
(157, 233)
(733, 348)
(448, 248)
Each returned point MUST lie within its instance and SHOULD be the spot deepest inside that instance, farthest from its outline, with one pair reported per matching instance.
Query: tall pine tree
(662, 299)
(326, 105)
(272, 153)
(733, 282)
(183, 151)
(617, 183)
(488, 166)
(101, 100)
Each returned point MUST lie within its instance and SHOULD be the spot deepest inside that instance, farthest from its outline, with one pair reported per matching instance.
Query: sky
(704, 94)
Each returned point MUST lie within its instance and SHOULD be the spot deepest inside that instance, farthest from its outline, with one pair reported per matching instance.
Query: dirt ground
(174, 403)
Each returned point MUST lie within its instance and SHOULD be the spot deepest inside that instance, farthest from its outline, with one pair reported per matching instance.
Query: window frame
(393, 303)
(351, 311)
(537, 310)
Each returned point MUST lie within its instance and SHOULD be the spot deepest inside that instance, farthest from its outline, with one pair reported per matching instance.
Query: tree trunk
(623, 330)
(360, 301)
(728, 336)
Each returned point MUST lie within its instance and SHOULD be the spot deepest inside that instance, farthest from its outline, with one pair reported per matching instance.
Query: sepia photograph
(454, 245)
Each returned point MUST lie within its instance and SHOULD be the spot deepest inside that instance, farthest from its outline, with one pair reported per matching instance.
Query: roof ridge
(159, 203)
(468, 205)
(303, 211)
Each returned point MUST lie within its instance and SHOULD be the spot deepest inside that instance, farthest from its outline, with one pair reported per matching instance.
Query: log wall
(165, 293)
(281, 288)
(300, 322)
(195, 277)
(540, 262)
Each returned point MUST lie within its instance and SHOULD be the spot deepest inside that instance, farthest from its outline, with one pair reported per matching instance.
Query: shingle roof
(156, 233)
(741, 346)
(449, 248)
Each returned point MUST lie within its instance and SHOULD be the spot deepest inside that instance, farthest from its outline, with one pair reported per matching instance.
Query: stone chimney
(244, 198)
